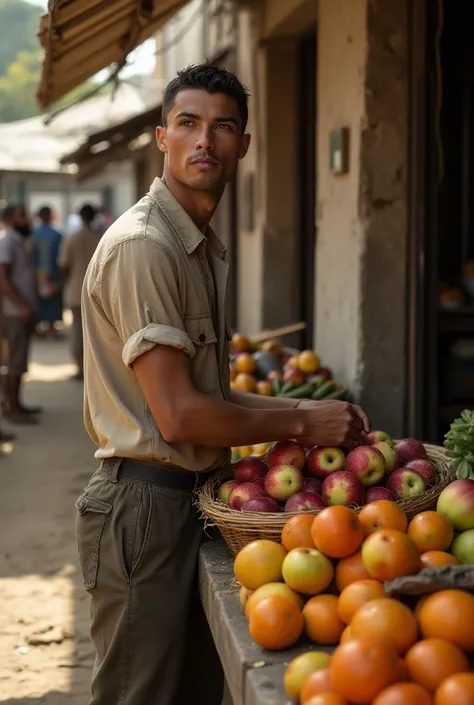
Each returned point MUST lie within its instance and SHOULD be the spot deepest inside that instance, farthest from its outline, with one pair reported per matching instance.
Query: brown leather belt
(160, 475)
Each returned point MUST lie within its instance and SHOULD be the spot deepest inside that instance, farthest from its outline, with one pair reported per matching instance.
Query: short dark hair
(10, 209)
(45, 212)
(210, 78)
(87, 213)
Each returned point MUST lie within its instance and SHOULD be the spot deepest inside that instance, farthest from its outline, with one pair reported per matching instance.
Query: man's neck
(199, 205)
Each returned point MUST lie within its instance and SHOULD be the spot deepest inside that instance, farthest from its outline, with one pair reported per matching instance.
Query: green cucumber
(287, 387)
(304, 391)
(323, 390)
(336, 394)
(277, 385)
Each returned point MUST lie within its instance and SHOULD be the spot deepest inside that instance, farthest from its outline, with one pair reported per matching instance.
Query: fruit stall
(345, 577)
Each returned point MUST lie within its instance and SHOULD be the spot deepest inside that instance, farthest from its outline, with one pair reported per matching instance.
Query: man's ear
(244, 146)
(161, 140)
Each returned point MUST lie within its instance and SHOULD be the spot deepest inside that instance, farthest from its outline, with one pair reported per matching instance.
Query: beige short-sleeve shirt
(151, 282)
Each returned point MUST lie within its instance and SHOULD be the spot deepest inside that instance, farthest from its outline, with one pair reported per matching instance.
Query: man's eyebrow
(195, 116)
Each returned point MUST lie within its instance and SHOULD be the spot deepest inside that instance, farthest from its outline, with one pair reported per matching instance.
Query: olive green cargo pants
(138, 549)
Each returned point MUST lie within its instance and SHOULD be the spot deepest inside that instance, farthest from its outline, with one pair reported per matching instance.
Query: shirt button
(202, 337)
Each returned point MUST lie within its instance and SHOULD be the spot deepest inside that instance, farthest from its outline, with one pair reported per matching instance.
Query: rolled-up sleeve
(139, 293)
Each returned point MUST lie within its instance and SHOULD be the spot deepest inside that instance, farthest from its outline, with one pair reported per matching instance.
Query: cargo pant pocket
(91, 518)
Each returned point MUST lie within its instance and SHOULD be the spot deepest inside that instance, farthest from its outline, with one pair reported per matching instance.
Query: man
(19, 300)
(74, 257)
(159, 407)
(47, 244)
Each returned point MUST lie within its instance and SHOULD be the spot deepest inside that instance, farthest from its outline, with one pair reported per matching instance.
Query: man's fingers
(363, 417)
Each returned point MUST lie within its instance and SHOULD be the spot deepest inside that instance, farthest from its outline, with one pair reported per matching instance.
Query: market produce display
(285, 476)
(324, 583)
(459, 444)
(271, 370)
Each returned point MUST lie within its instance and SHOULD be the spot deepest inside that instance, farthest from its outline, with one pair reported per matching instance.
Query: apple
(367, 463)
(242, 493)
(325, 372)
(390, 455)
(260, 482)
(462, 547)
(293, 375)
(304, 502)
(375, 493)
(225, 489)
(426, 469)
(456, 502)
(283, 481)
(286, 453)
(307, 571)
(377, 437)
(410, 449)
(312, 485)
(406, 483)
(249, 469)
(323, 460)
(261, 504)
(343, 487)
(273, 374)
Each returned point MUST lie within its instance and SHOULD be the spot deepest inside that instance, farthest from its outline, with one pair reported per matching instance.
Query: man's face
(20, 218)
(203, 139)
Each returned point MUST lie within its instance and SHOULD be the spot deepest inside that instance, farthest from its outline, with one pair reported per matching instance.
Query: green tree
(18, 86)
(19, 22)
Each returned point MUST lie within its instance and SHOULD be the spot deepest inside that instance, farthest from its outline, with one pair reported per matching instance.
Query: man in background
(74, 257)
(19, 300)
(47, 244)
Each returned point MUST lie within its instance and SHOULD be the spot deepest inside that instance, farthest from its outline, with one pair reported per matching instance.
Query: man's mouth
(204, 161)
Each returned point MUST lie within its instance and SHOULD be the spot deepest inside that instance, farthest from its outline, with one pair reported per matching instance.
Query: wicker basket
(239, 528)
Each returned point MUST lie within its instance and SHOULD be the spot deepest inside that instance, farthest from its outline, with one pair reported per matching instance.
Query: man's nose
(205, 141)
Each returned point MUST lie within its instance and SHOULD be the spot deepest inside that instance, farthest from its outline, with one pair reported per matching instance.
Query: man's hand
(27, 313)
(333, 423)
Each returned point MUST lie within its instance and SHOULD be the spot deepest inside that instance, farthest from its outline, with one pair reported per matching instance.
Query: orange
(456, 690)
(297, 532)
(275, 623)
(356, 595)
(388, 619)
(298, 670)
(403, 674)
(403, 694)
(308, 361)
(244, 362)
(361, 668)
(318, 682)
(233, 373)
(350, 570)
(327, 699)
(389, 554)
(337, 532)
(435, 559)
(419, 605)
(449, 614)
(244, 382)
(259, 562)
(270, 589)
(240, 343)
(431, 661)
(322, 622)
(382, 514)
(431, 531)
(346, 635)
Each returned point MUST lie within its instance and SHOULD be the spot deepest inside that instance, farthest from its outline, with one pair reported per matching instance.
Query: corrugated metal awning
(82, 37)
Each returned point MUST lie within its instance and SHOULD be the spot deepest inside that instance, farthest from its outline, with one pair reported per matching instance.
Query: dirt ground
(45, 655)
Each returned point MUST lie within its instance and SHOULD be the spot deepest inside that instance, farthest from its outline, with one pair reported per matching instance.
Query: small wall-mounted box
(339, 151)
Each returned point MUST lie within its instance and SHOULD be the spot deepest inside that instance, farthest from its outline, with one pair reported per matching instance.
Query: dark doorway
(307, 183)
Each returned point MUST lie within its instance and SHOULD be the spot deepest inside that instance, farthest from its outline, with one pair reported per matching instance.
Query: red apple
(321, 461)
(304, 502)
(325, 372)
(410, 449)
(260, 482)
(367, 463)
(377, 437)
(375, 493)
(242, 493)
(249, 469)
(456, 502)
(405, 483)
(426, 469)
(273, 374)
(225, 489)
(283, 481)
(286, 453)
(312, 485)
(390, 455)
(261, 504)
(291, 374)
(343, 487)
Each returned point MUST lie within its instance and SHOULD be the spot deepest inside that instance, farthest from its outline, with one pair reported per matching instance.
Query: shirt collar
(185, 228)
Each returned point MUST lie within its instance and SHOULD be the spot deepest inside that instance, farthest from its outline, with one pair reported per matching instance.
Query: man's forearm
(10, 293)
(258, 401)
(205, 421)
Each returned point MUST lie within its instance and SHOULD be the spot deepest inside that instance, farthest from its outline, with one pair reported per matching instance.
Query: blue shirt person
(47, 243)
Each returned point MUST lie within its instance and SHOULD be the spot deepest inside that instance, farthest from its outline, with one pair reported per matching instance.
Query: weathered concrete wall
(362, 217)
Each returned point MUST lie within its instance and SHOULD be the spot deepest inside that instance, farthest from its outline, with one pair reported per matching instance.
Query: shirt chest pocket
(204, 365)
